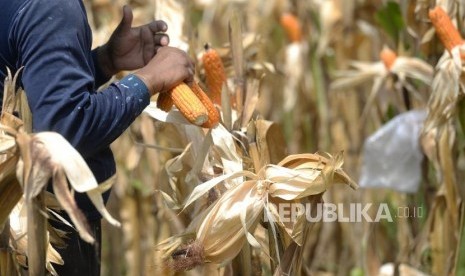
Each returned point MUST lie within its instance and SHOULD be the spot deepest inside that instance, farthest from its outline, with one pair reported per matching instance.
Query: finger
(190, 79)
(126, 21)
(157, 47)
(192, 65)
(161, 40)
(158, 26)
(190, 74)
(148, 50)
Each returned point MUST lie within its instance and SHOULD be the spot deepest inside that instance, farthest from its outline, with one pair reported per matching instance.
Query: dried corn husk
(445, 88)
(404, 68)
(43, 158)
(232, 218)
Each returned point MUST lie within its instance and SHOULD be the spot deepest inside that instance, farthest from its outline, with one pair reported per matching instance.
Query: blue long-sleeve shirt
(52, 40)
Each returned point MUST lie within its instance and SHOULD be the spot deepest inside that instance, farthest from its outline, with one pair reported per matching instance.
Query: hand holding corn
(167, 69)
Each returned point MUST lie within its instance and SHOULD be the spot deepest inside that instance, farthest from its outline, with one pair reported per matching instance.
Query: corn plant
(29, 161)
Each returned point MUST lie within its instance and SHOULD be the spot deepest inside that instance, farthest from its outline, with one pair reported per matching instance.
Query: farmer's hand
(168, 68)
(131, 48)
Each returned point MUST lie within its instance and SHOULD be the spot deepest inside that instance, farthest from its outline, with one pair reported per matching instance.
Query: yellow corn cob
(164, 101)
(188, 104)
(213, 115)
(388, 57)
(445, 29)
(215, 74)
(291, 25)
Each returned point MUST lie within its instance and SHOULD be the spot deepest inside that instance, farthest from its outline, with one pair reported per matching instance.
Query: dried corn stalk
(18, 223)
(438, 138)
(10, 190)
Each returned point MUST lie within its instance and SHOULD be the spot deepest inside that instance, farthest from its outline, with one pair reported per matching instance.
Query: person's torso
(102, 165)
(10, 56)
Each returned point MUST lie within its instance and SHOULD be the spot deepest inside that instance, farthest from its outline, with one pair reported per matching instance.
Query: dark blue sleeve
(100, 77)
(54, 42)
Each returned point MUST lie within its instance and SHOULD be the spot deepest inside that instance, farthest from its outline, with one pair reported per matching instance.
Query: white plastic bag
(392, 156)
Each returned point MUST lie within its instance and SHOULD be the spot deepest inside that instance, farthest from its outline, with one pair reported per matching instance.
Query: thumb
(126, 21)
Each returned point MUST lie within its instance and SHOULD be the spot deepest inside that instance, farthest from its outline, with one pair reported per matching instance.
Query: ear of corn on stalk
(388, 57)
(445, 29)
(291, 26)
(214, 72)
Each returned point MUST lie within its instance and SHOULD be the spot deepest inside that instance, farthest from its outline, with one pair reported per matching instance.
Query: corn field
(357, 104)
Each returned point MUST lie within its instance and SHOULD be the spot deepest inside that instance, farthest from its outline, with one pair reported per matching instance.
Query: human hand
(168, 68)
(132, 48)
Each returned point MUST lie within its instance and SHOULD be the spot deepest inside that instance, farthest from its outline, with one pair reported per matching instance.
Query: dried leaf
(203, 188)
(174, 116)
(6, 143)
(62, 153)
(221, 232)
(271, 142)
(66, 199)
(225, 145)
(448, 175)
(413, 68)
(10, 193)
(363, 73)
(77, 172)
(445, 87)
(428, 36)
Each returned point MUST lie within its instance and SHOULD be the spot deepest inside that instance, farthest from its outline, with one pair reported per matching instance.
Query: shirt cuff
(137, 86)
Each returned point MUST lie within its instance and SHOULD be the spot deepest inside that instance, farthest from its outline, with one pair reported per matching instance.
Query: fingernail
(164, 40)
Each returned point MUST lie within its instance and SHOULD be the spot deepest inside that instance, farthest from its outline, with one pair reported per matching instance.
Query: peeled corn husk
(230, 221)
